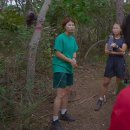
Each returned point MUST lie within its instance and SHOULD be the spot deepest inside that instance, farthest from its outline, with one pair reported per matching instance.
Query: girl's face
(116, 29)
(70, 27)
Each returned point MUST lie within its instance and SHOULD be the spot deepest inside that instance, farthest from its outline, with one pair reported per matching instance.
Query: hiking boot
(56, 125)
(98, 105)
(67, 117)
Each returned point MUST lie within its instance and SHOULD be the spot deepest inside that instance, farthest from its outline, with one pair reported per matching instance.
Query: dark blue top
(119, 42)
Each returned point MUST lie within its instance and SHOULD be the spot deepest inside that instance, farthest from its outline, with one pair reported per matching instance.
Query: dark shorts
(115, 67)
(62, 80)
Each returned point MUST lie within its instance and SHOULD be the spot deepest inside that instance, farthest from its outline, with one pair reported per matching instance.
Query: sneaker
(98, 105)
(66, 117)
(56, 125)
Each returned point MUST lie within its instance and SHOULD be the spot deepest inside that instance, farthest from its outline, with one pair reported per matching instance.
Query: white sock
(63, 111)
(104, 98)
(55, 118)
(101, 98)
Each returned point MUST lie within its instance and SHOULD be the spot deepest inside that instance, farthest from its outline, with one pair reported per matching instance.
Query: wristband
(117, 47)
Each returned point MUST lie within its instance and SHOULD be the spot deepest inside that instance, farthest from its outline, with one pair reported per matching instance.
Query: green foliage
(94, 19)
(11, 20)
(127, 8)
(2, 67)
(83, 11)
(2, 90)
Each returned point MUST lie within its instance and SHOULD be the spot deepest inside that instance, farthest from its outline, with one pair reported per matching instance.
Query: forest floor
(88, 82)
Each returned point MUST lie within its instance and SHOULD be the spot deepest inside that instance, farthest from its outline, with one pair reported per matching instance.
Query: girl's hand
(114, 45)
(107, 51)
(73, 62)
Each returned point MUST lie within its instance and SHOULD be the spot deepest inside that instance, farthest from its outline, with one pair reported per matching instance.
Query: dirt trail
(88, 80)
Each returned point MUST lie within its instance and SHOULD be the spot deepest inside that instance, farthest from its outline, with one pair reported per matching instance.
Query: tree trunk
(34, 43)
(128, 1)
(119, 11)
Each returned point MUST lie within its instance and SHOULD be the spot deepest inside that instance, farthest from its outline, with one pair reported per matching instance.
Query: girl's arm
(117, 53)
(74, 55)
(106, 49)
(122, 50)
(64, 58)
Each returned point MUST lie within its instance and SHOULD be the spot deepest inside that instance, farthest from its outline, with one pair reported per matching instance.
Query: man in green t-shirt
(63, 63)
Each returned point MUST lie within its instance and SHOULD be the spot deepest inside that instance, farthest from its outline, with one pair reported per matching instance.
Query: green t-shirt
(66, 45)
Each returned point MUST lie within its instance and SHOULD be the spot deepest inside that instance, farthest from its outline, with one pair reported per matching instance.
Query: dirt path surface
(88, 81)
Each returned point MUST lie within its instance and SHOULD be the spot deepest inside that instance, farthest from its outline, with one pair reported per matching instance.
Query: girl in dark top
(115, 64)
